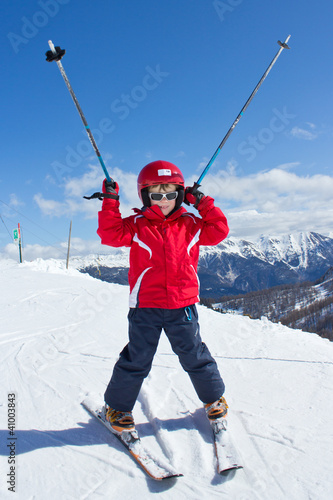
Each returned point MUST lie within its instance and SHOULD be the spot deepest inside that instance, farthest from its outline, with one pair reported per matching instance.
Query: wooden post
(69, 244)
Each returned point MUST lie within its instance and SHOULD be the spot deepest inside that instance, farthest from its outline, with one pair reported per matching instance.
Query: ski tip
(225, 472)
(172, 476)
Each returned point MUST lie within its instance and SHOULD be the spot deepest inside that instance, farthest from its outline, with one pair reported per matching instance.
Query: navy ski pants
(182, 329)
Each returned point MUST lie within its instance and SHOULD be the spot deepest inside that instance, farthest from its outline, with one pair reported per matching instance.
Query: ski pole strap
(100, 196)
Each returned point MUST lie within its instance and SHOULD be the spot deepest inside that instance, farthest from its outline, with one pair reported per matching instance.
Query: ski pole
(55, 54)
(283, 45)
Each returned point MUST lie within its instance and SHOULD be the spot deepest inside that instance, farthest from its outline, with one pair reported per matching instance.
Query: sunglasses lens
(172, 196)
(156, 196)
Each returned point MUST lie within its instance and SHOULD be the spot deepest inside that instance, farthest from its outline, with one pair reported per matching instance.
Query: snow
(117, 257)
(61, 332)
(289, 247)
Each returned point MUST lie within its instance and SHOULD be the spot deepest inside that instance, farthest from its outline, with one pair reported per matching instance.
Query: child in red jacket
(164, 286)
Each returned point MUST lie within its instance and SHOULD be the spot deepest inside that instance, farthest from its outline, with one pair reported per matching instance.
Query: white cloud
(50, 207)
(77, 187)
(289, 166)
(79, 247)
(15, 202)
(250, 224)
(91, 181)
(311, 125)
(273, 202)
(31, 252)
(301, 133)
(272, 185)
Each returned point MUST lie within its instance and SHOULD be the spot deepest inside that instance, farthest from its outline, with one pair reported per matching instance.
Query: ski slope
(60, 335)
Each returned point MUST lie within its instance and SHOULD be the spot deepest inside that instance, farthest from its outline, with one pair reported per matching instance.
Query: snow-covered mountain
(60, 335)
(297, 250)
(237, 266)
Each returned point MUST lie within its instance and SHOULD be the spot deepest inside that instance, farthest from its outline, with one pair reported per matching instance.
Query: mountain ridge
(238, 266)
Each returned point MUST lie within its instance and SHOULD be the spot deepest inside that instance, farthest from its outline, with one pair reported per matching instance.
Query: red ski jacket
(164, 251)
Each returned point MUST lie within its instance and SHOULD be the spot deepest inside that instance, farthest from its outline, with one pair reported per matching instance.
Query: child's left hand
(110, 187)
(193, 196)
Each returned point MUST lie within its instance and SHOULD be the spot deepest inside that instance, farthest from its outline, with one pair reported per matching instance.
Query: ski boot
(217, 413)
(119, 421)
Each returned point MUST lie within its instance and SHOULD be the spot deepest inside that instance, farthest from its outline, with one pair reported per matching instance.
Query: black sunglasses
(159, 196)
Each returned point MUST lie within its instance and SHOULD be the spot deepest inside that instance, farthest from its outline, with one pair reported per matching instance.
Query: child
(164, 287)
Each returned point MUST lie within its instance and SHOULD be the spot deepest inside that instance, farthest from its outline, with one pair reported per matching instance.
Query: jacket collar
(156, 214)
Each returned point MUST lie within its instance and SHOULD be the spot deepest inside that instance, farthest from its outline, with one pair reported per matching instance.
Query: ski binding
(132, 442)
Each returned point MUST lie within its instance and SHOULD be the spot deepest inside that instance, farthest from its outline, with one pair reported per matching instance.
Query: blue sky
(164, 80)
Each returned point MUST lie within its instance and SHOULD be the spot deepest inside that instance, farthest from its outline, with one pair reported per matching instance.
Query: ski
(132, 442)
(226, 453)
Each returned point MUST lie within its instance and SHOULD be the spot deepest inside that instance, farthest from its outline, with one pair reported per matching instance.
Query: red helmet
(159, 172)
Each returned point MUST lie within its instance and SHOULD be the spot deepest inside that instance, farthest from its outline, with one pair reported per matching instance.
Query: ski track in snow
(61, 332)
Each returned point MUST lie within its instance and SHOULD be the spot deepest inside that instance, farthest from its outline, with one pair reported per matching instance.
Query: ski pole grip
(55, 54)
(195, 187)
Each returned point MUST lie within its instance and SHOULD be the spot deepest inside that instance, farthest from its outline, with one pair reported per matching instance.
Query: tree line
(301, 306)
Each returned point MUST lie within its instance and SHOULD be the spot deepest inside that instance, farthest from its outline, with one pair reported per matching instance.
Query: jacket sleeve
(112, 229)
(214, 223)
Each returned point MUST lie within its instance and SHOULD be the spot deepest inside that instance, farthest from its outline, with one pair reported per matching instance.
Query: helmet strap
(145, 198)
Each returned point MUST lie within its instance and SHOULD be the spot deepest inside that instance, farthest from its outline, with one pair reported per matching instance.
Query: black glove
(193, 196)
(111, 187)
